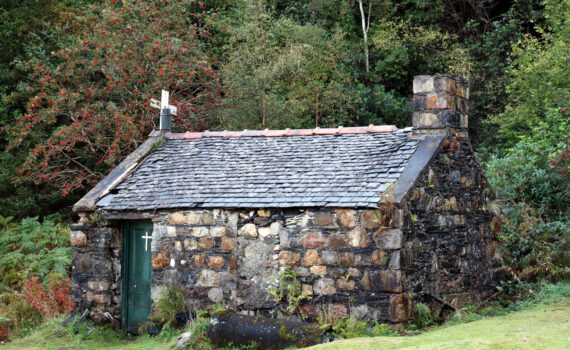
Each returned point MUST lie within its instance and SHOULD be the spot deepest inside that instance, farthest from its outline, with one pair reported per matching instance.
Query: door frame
(126, 226)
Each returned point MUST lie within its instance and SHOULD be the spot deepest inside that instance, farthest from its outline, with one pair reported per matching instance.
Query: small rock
(338, 240)
(176, 218)
(388, 239)
(313, 240)
(394, 261)
(228, 244)
(287, 258)
(311, 258)
(455, 176)
(207, 218)
(248, 230)
(216, 295)
(345, 284)
(216, 262)
(324, 286)
(199, 260)
(329, 257)
(318, 270)
(78, 238)
(190, 244)
(323, 219)
(345, 218)
(275, 228)
(358, 238)
(264, 232)
(193, 218)
(378, 257)
(346, 259)
(370, 219)
(218, 231)
(199, 231)
(209, 278)
(183, 339)
(206, 242)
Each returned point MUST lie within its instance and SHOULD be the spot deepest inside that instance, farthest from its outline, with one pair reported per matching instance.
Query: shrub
(34, 265)
(170, 302)
(51, 301)
(32, 248)
(531, 181)
(351, 328)
(199, 329)
(422, 315)
(289, 290)
(383, 330)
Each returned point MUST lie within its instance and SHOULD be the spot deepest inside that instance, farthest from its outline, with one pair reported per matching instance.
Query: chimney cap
(440, 102)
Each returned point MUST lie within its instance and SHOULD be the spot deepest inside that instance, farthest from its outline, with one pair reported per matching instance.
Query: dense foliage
(32, 249)
(35, 260)
(531, 172)
(91, 108)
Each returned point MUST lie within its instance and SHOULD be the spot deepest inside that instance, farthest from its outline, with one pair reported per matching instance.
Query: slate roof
(349, 168)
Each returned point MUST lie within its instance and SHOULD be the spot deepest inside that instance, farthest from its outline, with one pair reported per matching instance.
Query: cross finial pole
(166, 110)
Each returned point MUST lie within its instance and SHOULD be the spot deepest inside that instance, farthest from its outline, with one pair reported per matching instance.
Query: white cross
(146, 237)
(163, 103)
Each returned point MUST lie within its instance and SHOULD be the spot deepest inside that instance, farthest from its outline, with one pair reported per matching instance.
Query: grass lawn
(542, 326)
(51, 336)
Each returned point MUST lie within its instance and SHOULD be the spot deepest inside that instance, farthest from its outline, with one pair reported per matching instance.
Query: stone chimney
(440, 105)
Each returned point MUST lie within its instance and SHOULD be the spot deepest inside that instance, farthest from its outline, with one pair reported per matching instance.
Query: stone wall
(346, 263)
(96, 269)
(347, 260)
(450, 248)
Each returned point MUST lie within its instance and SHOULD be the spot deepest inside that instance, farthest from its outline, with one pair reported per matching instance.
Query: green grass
(540, 323)
(51, 336)
(545, 325)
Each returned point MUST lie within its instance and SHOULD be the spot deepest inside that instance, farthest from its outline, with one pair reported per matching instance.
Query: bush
(422, 315)
(289, 290)
(34, 264)
(383, 330)
(351, 328)
(170, 302)
(32, 248)
(532, 181)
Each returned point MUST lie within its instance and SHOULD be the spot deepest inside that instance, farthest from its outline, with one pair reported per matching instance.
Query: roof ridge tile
(371, 129)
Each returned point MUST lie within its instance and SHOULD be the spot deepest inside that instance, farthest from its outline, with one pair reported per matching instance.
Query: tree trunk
(228, 327)
(317, 110)
(365, 27)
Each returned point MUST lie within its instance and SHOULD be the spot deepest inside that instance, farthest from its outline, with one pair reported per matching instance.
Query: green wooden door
(136, 300)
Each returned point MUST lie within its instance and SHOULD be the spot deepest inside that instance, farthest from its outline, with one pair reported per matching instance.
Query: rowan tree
(92, 109)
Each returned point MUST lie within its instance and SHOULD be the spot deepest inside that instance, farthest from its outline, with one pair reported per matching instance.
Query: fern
(32, 248)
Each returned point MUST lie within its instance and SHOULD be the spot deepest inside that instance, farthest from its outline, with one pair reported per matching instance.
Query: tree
(531, 172)
(365, 24)
(29, 31)
(539, 76)
(92, 108)
(281, 74)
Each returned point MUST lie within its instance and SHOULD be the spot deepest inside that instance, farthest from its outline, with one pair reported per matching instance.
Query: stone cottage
(371, 219)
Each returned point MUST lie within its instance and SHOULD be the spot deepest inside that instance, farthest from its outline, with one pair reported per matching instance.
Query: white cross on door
(146, 237)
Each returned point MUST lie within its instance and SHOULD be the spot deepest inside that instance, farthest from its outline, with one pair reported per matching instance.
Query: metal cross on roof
(163, 103)
(166, 110)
